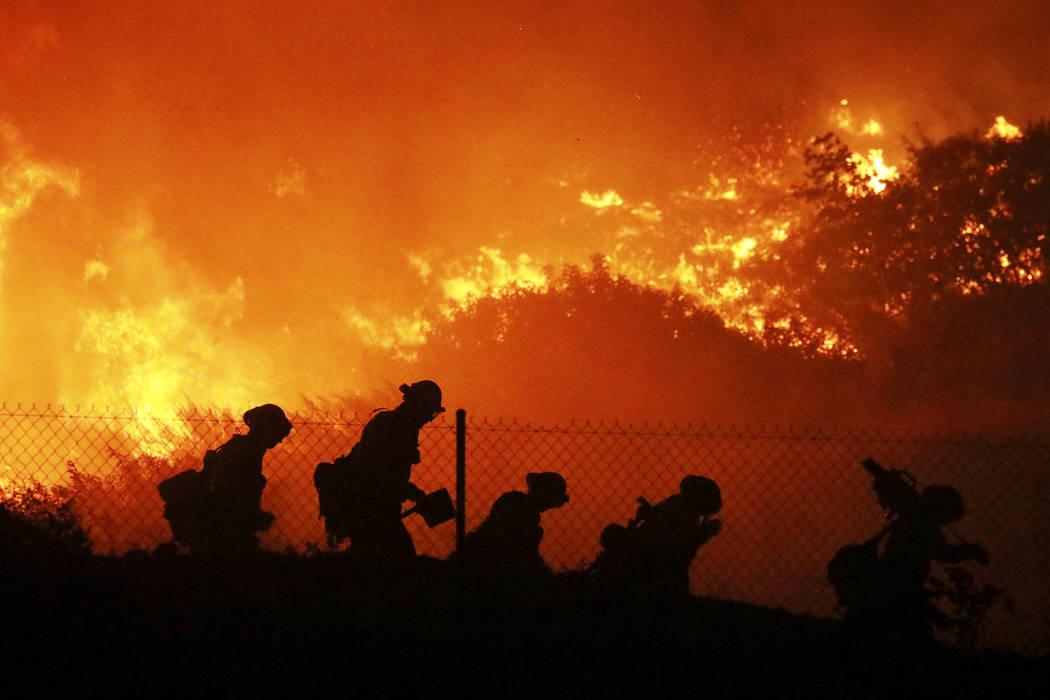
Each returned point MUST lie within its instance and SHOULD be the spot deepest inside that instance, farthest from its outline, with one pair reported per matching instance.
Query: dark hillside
(292, 625)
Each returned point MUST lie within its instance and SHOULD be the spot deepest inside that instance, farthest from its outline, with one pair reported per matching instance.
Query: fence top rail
(657, 429)
(758, 432)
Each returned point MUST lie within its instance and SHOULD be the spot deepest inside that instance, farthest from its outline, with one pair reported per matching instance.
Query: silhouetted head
(702, 494)
(269, 423)
(423, 399)
(547, 489)
(943, 503)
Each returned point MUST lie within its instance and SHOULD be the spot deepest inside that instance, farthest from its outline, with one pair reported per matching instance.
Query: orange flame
(22, 178)
(1004, 130)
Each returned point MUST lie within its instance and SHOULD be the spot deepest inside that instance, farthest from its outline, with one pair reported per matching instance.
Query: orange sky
(245, 174)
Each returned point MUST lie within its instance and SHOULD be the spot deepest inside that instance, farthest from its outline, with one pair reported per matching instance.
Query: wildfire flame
(155, 347)
(843, 119)
(22, 178)
(143, 302)
(1002, 129)
(155, 354)
(874, 171)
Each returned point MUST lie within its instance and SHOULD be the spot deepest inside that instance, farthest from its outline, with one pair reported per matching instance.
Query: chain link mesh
(791, 497)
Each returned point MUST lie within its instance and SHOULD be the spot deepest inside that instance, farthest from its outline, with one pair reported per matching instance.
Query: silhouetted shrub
(39, 523)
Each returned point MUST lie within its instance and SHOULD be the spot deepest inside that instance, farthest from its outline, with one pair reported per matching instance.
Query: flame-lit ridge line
(711, 272)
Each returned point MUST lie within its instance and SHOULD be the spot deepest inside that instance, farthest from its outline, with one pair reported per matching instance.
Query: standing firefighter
(217, 510)
(361, 493)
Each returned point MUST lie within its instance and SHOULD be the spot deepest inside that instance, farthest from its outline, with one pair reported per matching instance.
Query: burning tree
(963, 217)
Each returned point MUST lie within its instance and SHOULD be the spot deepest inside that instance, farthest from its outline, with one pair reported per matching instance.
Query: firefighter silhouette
(881, 583)
(505, 548)
(217, 510)
(914, 541)
(652, 555)
(361, 493)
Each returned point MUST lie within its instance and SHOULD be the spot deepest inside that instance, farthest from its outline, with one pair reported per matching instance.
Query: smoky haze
(226, 204)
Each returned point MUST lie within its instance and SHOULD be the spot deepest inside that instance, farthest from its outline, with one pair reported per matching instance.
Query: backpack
(185, 488)
(855, 572)
(335, 488)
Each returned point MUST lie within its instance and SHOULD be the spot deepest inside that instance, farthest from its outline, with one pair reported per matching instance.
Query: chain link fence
(791, 497)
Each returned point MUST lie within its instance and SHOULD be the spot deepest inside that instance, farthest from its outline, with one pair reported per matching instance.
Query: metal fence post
(461, 496)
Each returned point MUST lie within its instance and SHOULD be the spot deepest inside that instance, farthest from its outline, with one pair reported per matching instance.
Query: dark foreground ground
(286, 625)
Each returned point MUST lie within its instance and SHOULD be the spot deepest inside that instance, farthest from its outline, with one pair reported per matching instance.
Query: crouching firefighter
(881, 584)
(652, 555)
